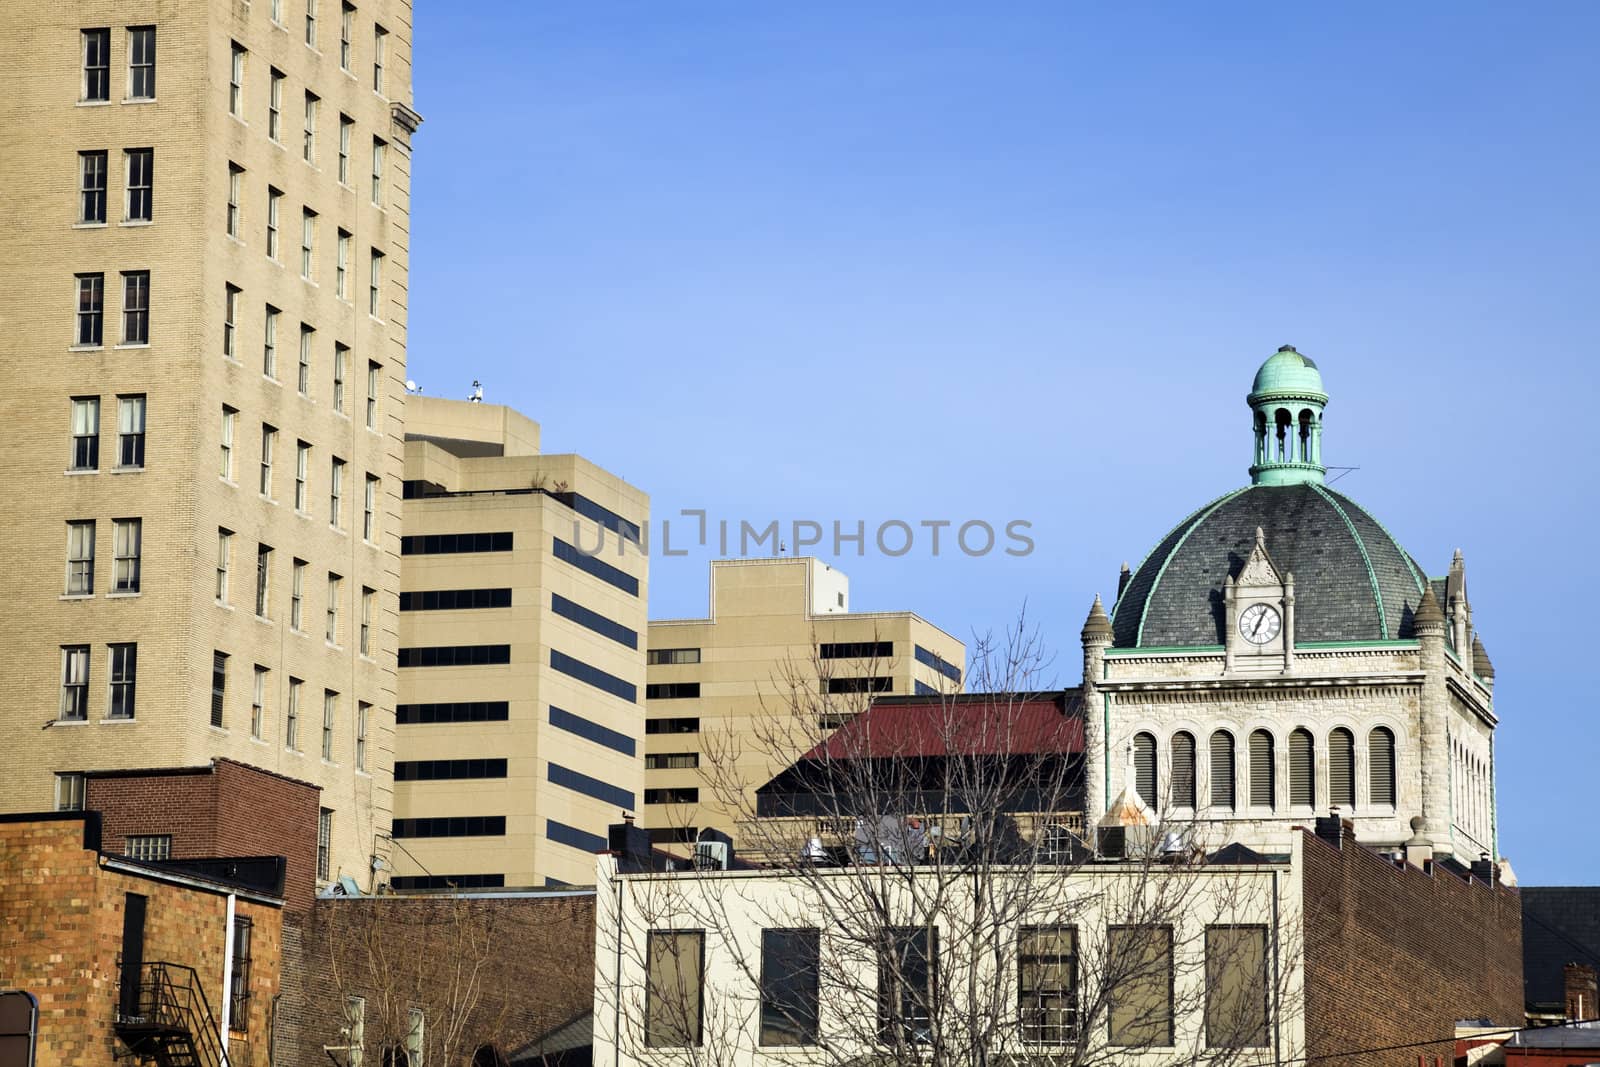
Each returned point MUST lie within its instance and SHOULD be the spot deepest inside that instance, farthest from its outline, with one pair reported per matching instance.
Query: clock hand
(1260, 619)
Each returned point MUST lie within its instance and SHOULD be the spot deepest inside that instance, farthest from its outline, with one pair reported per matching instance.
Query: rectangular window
(80, 558)
(331, 632)
(462, 826)
(674, 986)
(601, 570)
(85, 433)
(239, 979)
(341, 269)
(439, 770)
(938, 663)
(368, 598)
(1047, 984)
(790, 985)
(346, 123)
(297, 595)
(1139, 979)
(454, 599)
(275, 104)
(69, 792)
(219, 686)
(130, 431)
(856, 650)
(308, 242)
(74, 683)
(673, 655)
(302, 466)
(678, 795)
(465, 711)
(330, 706)
(275, 11)
(124, 670)
(91, 186)
(672, 691)
(230, 322)
(141, 62)
(303, 376)
(593, 620)
(236, 81)
(97, 64)
(879, 684)
(363, 712)
(378, 148)
(263, 580)
(380, 41)
(269, 343)
(324, 842)
(374, 376)
(235, 184)
(590, 786)
(139, 205)
(258, 702)
(347, 26)
(91, 310)
(908, 964)
(229, 417)
(671, 761)
(336, 494)
(135, 307)
(309, 149)
(127, 538)
(681, 725)
(454, 656)
(606, 683)
(291, 717)
(274, 204)
(375, 285)
(224, 551)
(1236, 987)
(369, 509)
(150, 847)
(311, 23)
(341, 360)
(269, 445)
(449, 544)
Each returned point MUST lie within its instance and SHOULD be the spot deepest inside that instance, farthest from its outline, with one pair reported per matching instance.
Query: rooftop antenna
(1342, 472)
(477, 392)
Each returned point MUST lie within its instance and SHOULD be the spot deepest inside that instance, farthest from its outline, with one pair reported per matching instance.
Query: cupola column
(1286, 402)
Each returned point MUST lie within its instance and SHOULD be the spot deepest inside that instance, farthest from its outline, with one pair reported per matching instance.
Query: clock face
(1259, 623)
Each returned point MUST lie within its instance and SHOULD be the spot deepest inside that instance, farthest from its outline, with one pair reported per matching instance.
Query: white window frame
(127, 547)
(224, 562)
(80, 557)
(229, 417)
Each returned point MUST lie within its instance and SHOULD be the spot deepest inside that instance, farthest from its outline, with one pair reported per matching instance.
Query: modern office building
(520, 725)
(734, 698)
(204, 258)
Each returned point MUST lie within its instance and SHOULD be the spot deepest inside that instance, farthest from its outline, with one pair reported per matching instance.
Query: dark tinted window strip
(593, 620)
(563, 834)
(938, 663)
(433, 770)
(464, 711)
(603, 571)
(454, 599)
(861, 685)
(449, 544)
(603, 515)
(671, 690)
(674, 835)
(677, 795)
(455, 656)
(594, 676)
(448, 881)
(672, 726)
(590, 787)
(926, 690)
(454, 826)
(592, 731)
(857, 650)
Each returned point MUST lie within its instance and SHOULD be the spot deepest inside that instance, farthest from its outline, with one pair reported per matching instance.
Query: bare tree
(927, 894)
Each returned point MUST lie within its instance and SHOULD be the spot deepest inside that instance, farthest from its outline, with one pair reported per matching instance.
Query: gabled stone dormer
(1258, 611)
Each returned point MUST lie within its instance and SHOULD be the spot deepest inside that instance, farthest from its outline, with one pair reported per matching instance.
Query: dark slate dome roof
(1352, 581)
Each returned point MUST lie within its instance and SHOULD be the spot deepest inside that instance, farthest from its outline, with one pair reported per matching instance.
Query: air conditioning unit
(711, 856)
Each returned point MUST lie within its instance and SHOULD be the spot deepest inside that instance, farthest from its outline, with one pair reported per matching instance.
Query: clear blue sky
(1020, 262)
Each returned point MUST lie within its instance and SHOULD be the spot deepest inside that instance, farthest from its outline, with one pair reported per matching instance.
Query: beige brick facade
(191, 366)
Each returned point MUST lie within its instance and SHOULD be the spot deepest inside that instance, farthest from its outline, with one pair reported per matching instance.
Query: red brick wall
(1394, 956)
(227, 809)
(61, 918)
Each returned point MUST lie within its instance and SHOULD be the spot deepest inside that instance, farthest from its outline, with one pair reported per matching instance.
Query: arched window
(1262, 773)
(1261, 437)
(1342, 768)
(1302, 769)
(1284, 426)
(1305, 455)
(1222, 770)
(1380, 765)
(1183, 770)
(1144, 768)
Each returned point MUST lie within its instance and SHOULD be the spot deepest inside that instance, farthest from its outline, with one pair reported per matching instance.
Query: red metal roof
(971, 724)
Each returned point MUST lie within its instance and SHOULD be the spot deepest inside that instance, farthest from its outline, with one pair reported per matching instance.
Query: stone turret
(1097, 634)
(1434, 745)
(1480, 661)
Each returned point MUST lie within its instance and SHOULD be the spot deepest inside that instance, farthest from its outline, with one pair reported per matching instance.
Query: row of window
(347, 26)
(343, 265)
(679, 725)
(671, 761)
(589, 786)
(589, 565)
(261, 699)
(672, 690)
(672, 795)
(372, 494)
(434, 770)
(308, 149)
(140, 49)
(460, 711)
(304, 370)
(265, 577)
(454, 656)
(454, 599)
(454, 543)
(122, 676)
(939, 664)
(89, 324)
(1139, 1013)
(672, 655)
(127, 539)
(593, 620)
(452, 826)
(84, 420)
(856, 650)
(138, 185)
(591, 731)
(879, 684)
(1181, 790)
(590, 675)
(447, 881)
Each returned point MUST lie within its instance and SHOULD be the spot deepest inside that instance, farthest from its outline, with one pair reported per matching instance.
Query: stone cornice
(1472, 699)
(1265, 683)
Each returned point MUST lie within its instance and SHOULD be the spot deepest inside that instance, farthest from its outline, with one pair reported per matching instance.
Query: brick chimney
(1582, 1002)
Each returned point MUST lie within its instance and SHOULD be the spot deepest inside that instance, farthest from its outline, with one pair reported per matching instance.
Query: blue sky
(1020, 262)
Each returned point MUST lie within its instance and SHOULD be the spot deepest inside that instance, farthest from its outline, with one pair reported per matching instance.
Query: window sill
(265, 499)
(326, 762)
(223, 605)
(271, 379)
(334, 646)
(76, 596)
(295, 752)
(88, 225)
(236, 240)
(232, 361)
(86, 348)
(136, 344)
(263, 619)
(301, 514)
(126, 470)
(236, 117)
(278, 25)
(69, 722)
(139, 100)
(122, 719)
(229, 482)
(124, 596)
(274, 142)
(310, 282)
(259, 740)
(137, 222)
(86, 470)
(214, 728)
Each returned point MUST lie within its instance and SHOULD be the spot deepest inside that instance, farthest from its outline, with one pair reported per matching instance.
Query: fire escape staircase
(167, 1019)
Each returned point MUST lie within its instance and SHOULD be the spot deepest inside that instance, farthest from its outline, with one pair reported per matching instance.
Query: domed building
(1278, 655)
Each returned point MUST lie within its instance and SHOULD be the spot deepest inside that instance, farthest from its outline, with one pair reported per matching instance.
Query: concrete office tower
(204, 257)
(713, 681)
(520, 725)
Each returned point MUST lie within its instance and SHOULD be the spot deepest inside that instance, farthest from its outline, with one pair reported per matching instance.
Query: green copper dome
(1288, 372)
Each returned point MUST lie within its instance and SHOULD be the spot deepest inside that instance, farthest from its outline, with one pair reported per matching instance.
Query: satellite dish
(411, 386)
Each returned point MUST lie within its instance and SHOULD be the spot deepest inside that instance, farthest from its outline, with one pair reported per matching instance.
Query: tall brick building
(204, 259)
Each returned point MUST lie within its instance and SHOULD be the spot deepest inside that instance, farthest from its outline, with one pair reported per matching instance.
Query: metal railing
(172, 1011)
